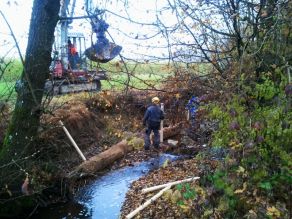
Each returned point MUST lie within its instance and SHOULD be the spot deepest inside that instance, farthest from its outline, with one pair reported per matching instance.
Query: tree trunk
(25, 121)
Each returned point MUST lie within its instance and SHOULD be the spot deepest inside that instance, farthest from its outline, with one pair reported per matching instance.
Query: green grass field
(8, 77)
(120, 75)
(7, 91)
(141, 77)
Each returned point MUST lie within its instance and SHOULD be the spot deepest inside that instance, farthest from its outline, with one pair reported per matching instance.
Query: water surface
(103, 198)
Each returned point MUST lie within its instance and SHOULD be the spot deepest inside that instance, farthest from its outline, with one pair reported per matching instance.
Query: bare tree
(224, 31)
(28, 108)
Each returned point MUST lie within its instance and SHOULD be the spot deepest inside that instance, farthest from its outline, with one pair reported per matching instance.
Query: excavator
(71, 69)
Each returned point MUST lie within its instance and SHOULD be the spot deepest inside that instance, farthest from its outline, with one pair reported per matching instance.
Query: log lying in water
(115, 152)
(104, 159)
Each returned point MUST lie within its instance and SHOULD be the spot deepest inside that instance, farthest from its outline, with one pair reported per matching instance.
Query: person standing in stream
(151, 120)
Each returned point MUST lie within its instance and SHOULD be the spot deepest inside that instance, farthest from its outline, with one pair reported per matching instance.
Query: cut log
(148, 202)
(102, 160)
(115, 152)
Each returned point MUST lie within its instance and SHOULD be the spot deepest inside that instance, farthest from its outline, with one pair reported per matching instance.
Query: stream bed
(103, 198)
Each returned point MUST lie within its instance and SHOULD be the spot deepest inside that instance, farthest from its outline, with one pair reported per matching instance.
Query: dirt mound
(84, 126)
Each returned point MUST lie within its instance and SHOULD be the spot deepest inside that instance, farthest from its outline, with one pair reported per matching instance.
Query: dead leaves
(166, 207)
(239, 191)
(165, 163)
(273, 212)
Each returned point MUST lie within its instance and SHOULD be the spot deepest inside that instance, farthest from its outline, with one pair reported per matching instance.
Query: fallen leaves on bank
(178, 202)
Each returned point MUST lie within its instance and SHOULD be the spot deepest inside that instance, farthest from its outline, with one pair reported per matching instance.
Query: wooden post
(72, 141)
(289, 74)
(148, 202)
(153, 188)
(161, 124)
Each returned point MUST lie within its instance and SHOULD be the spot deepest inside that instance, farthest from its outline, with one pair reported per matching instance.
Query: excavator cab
(70, 57)
(70, 70)
(76, 46)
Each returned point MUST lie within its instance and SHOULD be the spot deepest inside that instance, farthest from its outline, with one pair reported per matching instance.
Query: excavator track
(61, 86)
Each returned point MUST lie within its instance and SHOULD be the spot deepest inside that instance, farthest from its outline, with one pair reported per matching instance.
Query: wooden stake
(289, 74)
(72, 141)
(161, 124)
(150, 189)
(188, 115)
(148, 202)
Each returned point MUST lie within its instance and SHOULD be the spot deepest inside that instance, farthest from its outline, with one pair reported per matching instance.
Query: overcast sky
(18, 13)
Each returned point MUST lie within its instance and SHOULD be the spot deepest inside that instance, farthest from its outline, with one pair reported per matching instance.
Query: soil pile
(85, 127)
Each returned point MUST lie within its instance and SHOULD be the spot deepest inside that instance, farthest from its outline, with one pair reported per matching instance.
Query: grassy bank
(10, 71)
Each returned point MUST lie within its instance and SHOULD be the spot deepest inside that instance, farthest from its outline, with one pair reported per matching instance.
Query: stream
(103, 198)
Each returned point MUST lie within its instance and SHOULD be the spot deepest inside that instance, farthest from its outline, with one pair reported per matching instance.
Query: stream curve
(103, 198)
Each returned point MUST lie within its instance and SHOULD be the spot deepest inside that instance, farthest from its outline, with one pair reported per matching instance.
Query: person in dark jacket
(152, 119)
